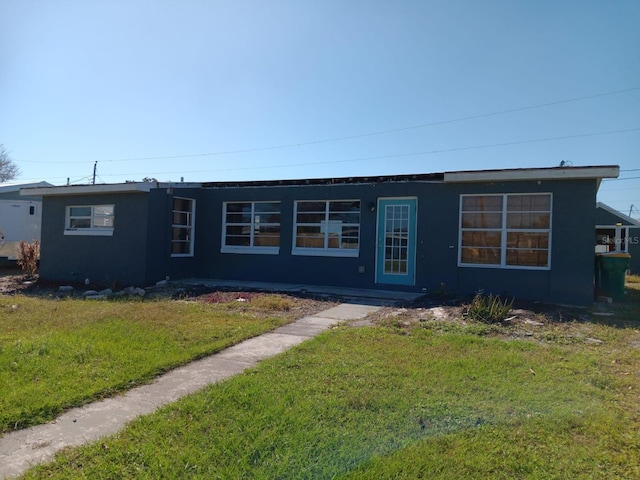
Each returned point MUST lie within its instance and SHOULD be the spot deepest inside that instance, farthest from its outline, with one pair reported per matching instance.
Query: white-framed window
(182, 227)
(327, 227)
(615, 238)
(251, 227)
(89, 220)
(505, 231)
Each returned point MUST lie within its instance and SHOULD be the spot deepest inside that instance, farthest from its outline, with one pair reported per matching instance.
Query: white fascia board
(555, 173)
(89, 189)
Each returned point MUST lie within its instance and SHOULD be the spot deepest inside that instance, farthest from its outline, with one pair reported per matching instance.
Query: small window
(511, 230)
(182, 227)
(327, 227)
(251, 227)
(89, 220)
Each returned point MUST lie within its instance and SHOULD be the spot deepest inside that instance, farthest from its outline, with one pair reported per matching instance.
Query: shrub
(28, 256)
(489, 309)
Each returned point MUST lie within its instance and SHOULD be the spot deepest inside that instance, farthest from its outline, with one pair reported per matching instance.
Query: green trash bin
(610, 273)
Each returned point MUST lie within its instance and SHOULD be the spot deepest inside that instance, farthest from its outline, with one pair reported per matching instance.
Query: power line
(619, 179)
(399, 155)
(362, 135)
(615, 189)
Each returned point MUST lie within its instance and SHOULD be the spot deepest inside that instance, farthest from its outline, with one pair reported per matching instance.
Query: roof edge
(521, 174)
(127, 187)
(619, 214)
(514, 174)
(16, 187)
(411, 177)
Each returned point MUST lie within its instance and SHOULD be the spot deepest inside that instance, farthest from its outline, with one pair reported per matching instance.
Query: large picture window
(251, 227)
(510, 230)
(182, 226)
(89, 220)
(327, 227)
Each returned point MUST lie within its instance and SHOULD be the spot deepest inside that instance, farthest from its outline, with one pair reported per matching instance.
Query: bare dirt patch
(260, 303)
(526, 320)
(13, 280)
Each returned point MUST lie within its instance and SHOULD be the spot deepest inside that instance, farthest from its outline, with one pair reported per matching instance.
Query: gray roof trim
(515, 174)
(618, 214)
(16, 187)
(518, 174)
(128, 187)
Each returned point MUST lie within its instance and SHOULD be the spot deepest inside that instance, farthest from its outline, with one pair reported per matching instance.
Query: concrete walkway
(24, 448)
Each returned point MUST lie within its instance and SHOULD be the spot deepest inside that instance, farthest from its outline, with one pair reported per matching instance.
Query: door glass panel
(396, 237)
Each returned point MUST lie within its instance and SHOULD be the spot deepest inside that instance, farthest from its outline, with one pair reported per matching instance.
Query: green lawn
(433, 400)
(55, 354)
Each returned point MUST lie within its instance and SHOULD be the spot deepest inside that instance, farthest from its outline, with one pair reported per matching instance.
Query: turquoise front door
(396, 242)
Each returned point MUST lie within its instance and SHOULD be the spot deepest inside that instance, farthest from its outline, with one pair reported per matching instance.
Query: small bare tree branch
(8, 169)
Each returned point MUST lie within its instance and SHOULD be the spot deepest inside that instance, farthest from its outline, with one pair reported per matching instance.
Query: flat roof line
(513, 174)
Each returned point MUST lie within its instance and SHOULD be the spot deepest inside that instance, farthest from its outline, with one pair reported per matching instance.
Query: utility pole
(95, 166)
(631, 209)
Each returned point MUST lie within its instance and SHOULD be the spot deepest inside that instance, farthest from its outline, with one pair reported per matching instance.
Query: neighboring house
(516, 232)
(617, 232)
(20, 217)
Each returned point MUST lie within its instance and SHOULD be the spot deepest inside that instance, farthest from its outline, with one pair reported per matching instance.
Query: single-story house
(617, 232)
(524, 232)
(20, 217)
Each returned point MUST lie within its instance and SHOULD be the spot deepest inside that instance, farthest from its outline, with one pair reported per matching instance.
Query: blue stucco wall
(570, 279)
(604, 217)
(139, 251)
(286, 267)
(113, 261)
(160, 263)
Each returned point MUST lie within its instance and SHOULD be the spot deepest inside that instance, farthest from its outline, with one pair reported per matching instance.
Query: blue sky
(251, 90)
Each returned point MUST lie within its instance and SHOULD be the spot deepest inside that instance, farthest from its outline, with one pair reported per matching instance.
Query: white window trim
(91, 231)
(250, 249)
(326, 251)
(192, 226)
(630, 239)
(503, 232)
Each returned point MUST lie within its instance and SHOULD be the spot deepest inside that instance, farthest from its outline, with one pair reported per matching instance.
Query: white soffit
(557, 173)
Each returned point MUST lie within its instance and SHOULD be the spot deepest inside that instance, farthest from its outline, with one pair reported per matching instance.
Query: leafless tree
(8, 169)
